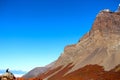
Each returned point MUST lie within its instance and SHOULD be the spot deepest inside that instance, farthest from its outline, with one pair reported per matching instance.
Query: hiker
(8, 75)
(7, 70)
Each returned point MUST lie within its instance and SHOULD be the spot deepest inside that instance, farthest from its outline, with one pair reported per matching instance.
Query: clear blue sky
(34, 32)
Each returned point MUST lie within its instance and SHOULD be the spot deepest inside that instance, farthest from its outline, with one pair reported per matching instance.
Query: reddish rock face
(88, 72)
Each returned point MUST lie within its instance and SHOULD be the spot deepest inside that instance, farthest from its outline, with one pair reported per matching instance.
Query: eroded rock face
(101, 45)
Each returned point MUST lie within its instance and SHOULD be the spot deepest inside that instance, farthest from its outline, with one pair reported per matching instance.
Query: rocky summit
(101, 45)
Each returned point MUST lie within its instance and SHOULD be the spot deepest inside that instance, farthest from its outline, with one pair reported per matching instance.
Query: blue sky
(17, 73)
(14, 71)
(34, 32)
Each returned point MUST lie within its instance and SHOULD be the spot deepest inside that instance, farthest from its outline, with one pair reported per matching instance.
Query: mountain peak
(101, 45)
(107, 22)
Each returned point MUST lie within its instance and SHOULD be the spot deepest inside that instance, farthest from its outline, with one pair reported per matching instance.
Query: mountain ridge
(97, 51)
(105, 27)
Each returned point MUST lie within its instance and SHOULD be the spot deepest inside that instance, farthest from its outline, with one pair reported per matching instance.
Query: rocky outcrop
(101, 45)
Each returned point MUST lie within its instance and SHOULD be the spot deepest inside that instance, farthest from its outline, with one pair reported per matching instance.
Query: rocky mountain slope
(88, 72)
(95, 57)
(37, 71)
(101, 45)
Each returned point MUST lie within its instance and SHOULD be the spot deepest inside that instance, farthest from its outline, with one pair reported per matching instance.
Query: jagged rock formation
(37, 71)
(95, 57)
(101, 45)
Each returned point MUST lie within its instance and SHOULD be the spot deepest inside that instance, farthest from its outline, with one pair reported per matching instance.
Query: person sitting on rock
(7, 70)
(8, 75)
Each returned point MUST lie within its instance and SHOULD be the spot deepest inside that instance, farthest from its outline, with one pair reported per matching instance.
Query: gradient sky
(34, 32)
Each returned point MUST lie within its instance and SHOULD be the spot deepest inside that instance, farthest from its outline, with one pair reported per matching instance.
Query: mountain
(37, 71)
(99, 47)
(96, 56)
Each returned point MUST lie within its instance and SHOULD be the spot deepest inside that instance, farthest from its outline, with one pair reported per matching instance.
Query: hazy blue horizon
(17, 73)
(34, 33)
